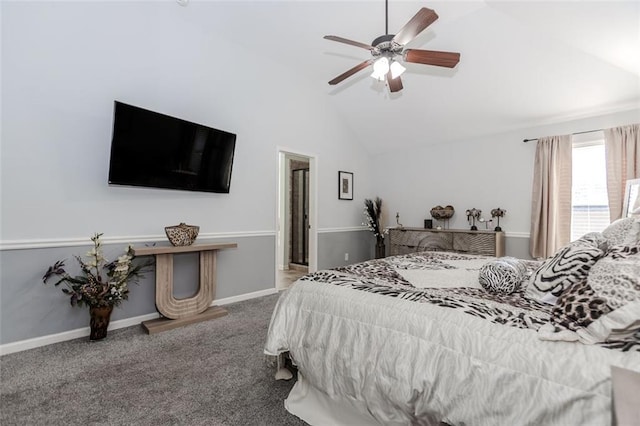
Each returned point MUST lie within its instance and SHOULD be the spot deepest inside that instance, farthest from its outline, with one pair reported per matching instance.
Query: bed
(416, 339)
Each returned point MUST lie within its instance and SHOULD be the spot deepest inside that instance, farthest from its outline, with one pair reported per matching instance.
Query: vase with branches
(373, 216)
(101, 286)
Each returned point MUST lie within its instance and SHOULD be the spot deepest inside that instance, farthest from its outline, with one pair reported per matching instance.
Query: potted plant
(101, 286)
(373, 214)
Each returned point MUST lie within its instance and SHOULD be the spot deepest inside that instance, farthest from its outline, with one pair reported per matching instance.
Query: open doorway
(299, 211)
(296, 240)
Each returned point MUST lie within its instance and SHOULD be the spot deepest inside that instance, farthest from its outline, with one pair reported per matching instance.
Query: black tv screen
(158, 151)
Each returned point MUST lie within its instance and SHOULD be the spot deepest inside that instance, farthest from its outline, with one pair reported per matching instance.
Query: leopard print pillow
(578, 307)
(616, 277)
(622, 232)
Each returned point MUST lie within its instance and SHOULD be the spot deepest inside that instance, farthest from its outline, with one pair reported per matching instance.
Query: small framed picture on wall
(345, 185)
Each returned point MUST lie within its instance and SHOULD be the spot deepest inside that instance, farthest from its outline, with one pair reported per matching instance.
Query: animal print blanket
(389, 277)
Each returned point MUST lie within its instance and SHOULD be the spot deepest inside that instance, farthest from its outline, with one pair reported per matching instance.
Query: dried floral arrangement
(103, 283)
(373, 214)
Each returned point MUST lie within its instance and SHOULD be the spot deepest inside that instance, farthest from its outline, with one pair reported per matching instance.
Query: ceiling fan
(385, 48)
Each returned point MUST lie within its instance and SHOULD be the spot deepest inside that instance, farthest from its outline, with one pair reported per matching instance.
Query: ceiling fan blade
(432, 57)
(415, 26)
(347, 41)
(351, 72)
(395, 84)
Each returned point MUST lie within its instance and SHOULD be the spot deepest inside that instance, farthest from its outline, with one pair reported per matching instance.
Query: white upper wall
(63, 65)
(484, 173)
(240, 69)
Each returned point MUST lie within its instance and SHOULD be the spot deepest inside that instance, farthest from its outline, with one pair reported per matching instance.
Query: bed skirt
(316, 408)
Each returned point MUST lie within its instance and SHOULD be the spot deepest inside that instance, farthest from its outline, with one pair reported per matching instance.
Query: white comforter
(411, 363)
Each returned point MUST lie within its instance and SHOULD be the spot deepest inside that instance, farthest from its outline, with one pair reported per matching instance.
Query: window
(589, 201)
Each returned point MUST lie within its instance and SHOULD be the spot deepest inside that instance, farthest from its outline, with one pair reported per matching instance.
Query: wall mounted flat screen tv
(154, 150)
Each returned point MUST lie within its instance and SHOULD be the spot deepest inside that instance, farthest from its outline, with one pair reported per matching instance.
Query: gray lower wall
(30, 309)
(333, 245)
(517, 247)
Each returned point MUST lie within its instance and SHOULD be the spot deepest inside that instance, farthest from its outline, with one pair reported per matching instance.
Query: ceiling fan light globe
(381, 66)
(378, 76)
(396, 69)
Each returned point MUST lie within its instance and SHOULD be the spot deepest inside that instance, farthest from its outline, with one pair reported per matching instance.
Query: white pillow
(623, 231)
(616, 279)
(568, 266)
(610, 311)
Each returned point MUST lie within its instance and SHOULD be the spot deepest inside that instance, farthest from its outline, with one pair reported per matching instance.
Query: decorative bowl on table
(182, 234)
(442, 213)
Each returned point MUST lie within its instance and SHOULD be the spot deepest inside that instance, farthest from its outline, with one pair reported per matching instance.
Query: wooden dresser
(410, 240)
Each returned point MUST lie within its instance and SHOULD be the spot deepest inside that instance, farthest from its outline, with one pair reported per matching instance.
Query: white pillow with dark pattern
(582, 315)
(595, 239)
(623, 231)
(502, 275)
(616, 278)
(578, 307)
(568, 266)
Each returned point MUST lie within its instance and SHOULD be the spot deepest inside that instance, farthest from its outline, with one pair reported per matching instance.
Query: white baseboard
(343, 229)
(246, 296)
(37, 342)
(517, 234)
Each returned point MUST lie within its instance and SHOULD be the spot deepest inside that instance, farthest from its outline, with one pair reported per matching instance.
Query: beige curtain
(551, 196)
(622, 148)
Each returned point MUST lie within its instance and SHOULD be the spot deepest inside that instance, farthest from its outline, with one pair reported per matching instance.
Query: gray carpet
(210, 373)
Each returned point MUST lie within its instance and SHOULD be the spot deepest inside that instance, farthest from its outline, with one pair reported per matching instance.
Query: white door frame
(281, 229)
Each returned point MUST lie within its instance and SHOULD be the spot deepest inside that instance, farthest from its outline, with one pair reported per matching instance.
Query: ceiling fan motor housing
(382, 39)
(385, 46)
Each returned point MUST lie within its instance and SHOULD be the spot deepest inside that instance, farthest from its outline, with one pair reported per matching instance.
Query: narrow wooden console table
(179, 312)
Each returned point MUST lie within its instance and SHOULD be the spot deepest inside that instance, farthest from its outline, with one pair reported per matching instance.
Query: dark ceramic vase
(380, 249)
(99, 321)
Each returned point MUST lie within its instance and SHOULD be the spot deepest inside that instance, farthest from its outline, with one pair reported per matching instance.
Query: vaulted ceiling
(523, 63)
